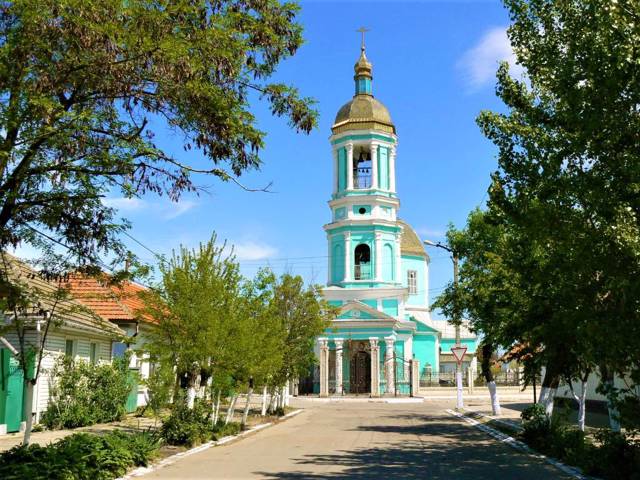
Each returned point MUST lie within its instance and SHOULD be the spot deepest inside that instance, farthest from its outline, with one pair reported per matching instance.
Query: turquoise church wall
(424, 350)
(342, 169)
(418, 264)
(337, 260)
(388, 263)
(390, 307)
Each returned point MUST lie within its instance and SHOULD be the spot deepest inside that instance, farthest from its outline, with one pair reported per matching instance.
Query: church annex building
(378, 267)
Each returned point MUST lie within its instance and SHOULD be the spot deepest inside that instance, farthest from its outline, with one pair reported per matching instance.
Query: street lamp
(456, 321)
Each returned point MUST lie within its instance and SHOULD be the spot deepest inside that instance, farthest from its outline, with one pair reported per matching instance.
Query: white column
(374, 165)
(388, 365)
(335, 170)
(350, 166)
(347, 256)
(375, 367)
(339, 343)
(378, 257)
(324, 366)
(392, 169)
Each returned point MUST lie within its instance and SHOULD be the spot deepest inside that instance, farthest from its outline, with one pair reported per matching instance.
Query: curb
(507, 423)
(140, 471)
(518, 445)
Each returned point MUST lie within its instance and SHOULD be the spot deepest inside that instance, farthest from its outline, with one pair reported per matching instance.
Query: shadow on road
(428, 448)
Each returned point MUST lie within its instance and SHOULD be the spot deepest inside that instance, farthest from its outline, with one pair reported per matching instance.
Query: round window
(362, 210)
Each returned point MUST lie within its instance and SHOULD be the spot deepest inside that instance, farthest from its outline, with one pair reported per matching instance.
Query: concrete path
(364, 440)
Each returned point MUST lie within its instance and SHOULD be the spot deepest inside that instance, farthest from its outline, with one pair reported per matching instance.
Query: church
(383, 341)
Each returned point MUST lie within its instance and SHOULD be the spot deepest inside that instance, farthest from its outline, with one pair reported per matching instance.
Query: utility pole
(456, 320)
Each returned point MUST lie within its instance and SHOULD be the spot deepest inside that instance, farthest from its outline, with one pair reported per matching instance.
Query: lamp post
(456, 320)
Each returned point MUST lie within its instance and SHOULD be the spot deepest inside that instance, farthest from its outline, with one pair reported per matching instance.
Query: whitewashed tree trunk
(216, 408)
(264, 401)
(581, 399)
(28, 412)
(231, 410)
(495, 400)
(247, 406)
(547, 395)
(191, 396)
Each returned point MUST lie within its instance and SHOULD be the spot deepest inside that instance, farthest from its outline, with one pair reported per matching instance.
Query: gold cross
(362, 30)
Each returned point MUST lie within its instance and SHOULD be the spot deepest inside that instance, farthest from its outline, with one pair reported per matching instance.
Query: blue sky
(434, 68)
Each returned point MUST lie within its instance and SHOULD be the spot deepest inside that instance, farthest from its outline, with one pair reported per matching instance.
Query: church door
(360, 372)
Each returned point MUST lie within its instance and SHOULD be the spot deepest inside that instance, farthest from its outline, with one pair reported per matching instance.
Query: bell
(362, 157)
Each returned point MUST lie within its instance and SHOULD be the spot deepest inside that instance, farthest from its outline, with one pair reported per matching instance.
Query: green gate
(11, 391)
(132, 399)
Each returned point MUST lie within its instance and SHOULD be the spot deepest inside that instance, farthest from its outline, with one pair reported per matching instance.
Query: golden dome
(364, 111)
(410, 243)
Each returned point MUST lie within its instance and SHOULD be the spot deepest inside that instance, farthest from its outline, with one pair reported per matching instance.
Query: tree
(568, 174)
(196, 308)
(85, 86)
(303, 315)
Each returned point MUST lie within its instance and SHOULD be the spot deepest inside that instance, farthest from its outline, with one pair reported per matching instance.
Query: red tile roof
(111, 301)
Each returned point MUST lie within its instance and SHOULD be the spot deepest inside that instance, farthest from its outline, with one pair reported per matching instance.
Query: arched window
(362, 270)
(337, 264)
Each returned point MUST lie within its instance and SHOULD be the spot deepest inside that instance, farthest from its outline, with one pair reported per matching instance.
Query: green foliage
(536, 425)
(84, 394)
(613, 455)
(84, 83)
(617, 457)
(220, 430)
(159, 386)
(187, 426)
(80, 456)
(211, 320)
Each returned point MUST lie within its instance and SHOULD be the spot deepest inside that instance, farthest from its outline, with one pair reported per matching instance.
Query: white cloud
(125, 204)
(250, 250)
(480, 63)
(177, 209)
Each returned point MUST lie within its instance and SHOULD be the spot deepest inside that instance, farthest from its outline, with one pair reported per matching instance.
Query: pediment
(356, 310)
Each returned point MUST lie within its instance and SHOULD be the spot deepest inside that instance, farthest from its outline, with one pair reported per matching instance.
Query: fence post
(415, 377)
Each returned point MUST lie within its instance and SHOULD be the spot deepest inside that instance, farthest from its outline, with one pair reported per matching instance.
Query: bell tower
(364, 235)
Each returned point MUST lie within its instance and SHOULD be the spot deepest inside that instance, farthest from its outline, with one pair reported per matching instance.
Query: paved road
(364, 440)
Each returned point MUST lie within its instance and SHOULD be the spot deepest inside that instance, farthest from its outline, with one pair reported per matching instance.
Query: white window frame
(412, 281)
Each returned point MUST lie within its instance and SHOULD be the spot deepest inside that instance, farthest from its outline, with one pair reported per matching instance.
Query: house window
(69, 348)
(93, 353)
(412, 281)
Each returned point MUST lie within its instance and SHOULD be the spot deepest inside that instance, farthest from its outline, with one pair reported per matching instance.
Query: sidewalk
(130, 423)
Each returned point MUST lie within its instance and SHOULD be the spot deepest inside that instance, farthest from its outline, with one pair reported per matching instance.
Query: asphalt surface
(364, 440)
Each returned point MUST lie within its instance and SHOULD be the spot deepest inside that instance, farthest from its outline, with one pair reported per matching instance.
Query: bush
(536, 425)
(80, 456)
(616, 457)
(220, 430)
(84, 394)
(187, 426)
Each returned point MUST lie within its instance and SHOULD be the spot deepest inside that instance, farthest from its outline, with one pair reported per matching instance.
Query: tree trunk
(548, 390)
(28, 412)
(191, 396)
(487, 352)
(245, 414)
(614, 415)
(264, 401)
(231, 410)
